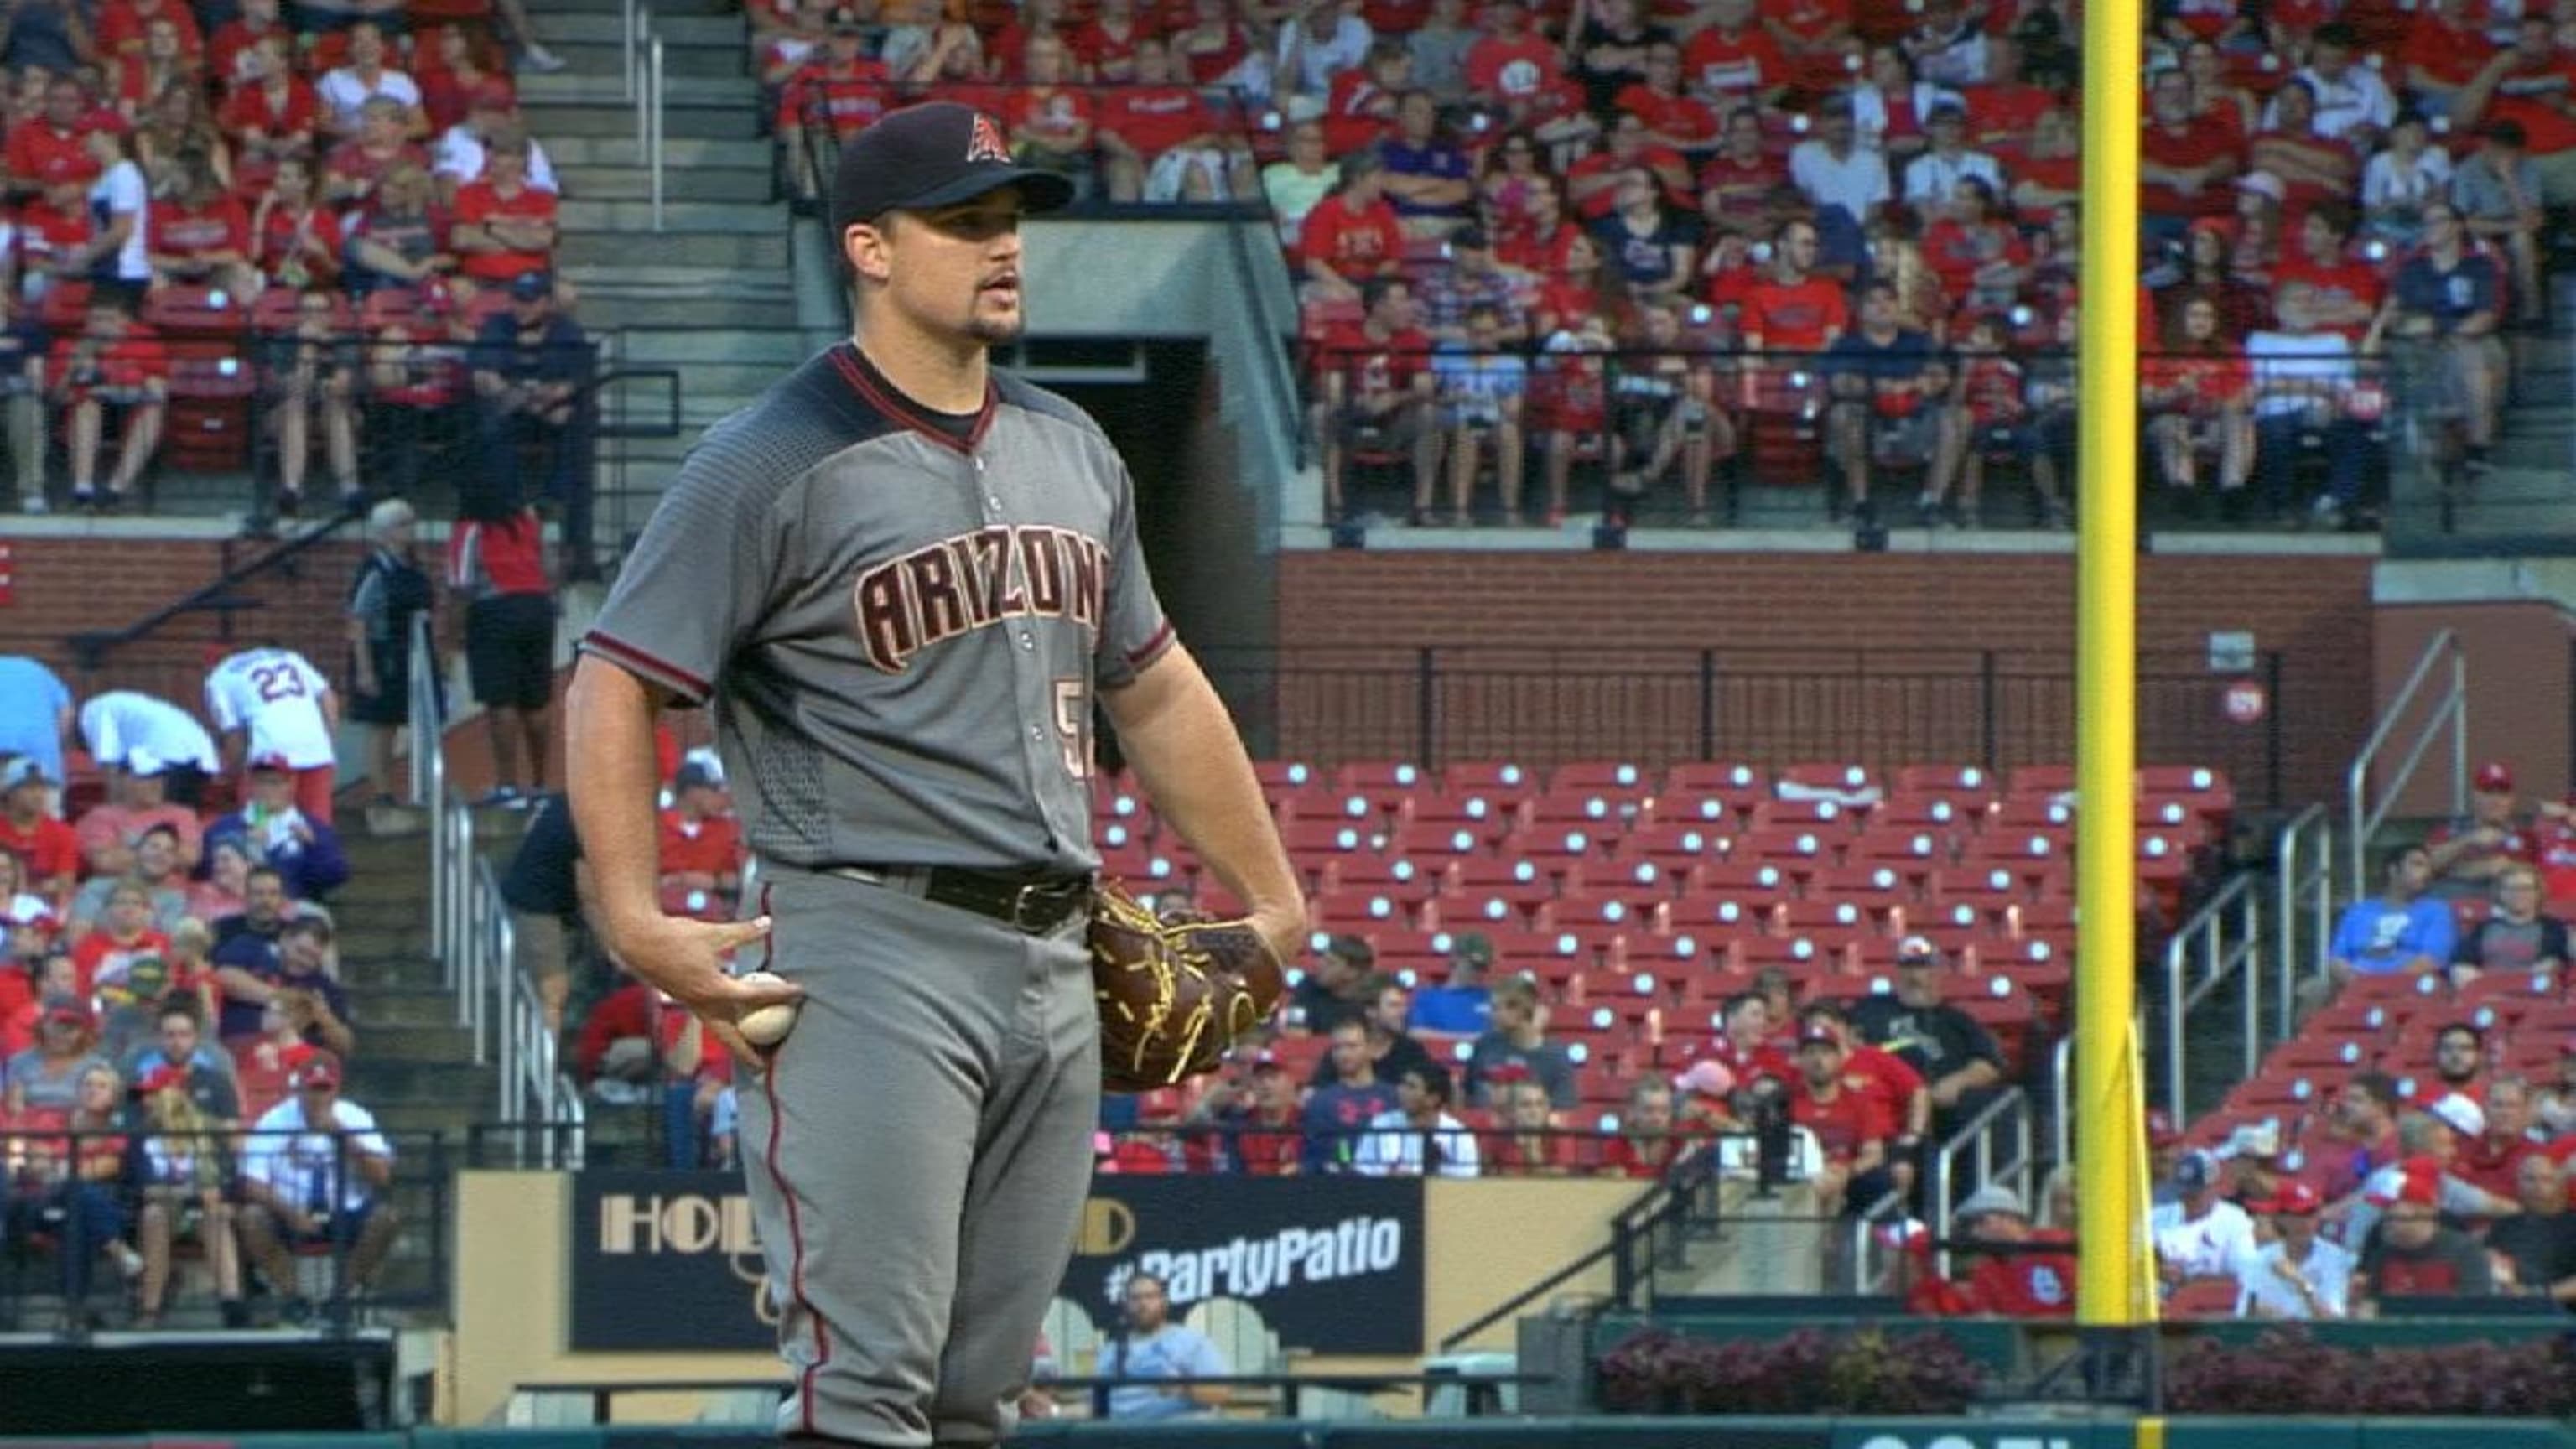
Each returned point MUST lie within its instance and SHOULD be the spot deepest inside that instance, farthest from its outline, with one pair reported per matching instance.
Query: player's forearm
(609, 780)
(1183, 746)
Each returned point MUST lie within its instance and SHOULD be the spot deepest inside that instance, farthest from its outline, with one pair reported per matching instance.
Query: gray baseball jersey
(901, 628)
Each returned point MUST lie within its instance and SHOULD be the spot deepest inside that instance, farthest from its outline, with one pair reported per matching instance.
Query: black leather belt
(1033, 905)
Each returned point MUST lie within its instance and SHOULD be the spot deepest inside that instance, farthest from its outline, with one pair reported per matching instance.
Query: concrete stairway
(712, 294)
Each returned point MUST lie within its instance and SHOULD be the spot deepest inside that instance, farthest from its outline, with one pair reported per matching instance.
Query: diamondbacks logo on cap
(985, 143)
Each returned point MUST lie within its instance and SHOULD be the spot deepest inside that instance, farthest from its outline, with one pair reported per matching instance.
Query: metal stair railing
(643, 66)
(2439, 686)
(472, 936)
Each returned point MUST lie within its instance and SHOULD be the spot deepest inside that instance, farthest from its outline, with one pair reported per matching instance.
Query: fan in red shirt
(838, 88)
(53, 147)
(48, 851)
(1051, 121)
(2534, 83)
(1162, 141)
(200, 235)
(1735, 186)
(1876, 1072)
(2015, 1281)
(1734, 61)
(1672, 118)
(1527, 1141)
(143, 75)
(258, 22)
(298, 242)
(701, 844)
(1510, 64)
(112, 362)
(1744, 1046)
(1647, 1145)
(123, 936)
(1592, 183)
(505, 228)
(1915, 1279)
(2183, 158)
(355, 167)
(1359, 107)
(1268, 1125)
(1106, 47)
(1353, 234)
(1376, 382)
(270, 114)
(1851, 1129)
(125, 27)
(1816, 38)
(2345, 291)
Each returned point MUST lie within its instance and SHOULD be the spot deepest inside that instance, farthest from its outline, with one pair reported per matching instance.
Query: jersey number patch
(277, 681)
(1073, 726)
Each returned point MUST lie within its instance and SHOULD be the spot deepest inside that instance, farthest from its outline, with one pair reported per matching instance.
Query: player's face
(956, 271)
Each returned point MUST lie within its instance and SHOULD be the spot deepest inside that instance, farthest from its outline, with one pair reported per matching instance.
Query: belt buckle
(1021, 918)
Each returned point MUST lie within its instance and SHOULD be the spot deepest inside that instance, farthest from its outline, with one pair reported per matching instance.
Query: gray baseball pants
(917, 1153)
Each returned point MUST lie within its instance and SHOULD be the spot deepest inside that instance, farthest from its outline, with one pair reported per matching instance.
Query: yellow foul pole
(2114, 1286)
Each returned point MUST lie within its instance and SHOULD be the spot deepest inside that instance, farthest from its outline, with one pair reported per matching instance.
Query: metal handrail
(642, 63)
(2362, 816)
(2061, 1081)
(2223, 955)
(1976, 1136)
(474, 940)
(2303, 913)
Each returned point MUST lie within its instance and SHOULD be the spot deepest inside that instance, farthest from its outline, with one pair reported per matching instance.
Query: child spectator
(184, 1171)
(124, 935)
(305, 852)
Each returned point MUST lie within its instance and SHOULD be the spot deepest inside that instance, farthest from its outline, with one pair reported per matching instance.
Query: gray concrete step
(570, 28)
(588, 183)
(675, 249)
(443, 1046)
(651, 346)
(392, 1008)
(605, 312)
(724, 58)
(734, 121)
(678, 217)
(450, 1117)
(679, 92)
(372, 959)
(678, 154)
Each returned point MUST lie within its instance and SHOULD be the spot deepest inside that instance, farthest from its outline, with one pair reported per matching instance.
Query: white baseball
(765, 1026)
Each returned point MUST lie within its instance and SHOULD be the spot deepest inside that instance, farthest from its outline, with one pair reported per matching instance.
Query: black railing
(91, 650)
(72, 1236)
(1434, 705)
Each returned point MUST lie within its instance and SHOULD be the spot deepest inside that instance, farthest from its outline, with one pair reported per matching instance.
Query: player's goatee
(996, 331)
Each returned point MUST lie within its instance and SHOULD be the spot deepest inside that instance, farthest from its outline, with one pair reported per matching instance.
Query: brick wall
(1878, 657)
(66, 586)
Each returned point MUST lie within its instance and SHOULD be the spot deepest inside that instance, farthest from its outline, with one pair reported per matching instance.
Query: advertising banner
(669, 1260)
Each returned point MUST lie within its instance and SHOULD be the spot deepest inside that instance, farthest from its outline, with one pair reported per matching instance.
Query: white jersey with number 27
(276, 696)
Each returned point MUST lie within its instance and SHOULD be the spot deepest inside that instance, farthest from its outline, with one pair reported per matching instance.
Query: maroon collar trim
(896, 406)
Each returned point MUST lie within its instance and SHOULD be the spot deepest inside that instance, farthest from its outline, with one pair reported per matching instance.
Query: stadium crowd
(236, 239)
(1824, 240)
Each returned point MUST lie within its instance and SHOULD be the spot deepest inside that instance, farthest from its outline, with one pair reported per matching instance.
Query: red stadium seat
(1485, 818)
(1738, 786)
(1967, 785)
(1675, 846)
(1602, 777)
(1499, 782)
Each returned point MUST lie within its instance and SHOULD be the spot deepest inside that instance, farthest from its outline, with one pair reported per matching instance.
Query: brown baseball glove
(1174, 994)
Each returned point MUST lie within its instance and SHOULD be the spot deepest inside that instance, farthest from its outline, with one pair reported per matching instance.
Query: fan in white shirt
(1419, 1136)
(270, 702)
(2202, 1235)
(122, 722)
(2301, 1275)
(345, 92)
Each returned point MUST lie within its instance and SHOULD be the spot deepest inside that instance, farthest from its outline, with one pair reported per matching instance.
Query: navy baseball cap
(935, 154)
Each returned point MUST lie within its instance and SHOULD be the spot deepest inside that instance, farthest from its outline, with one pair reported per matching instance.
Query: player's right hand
(685, 959)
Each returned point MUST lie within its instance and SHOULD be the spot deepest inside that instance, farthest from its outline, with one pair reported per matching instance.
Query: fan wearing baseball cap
(2414, 1252)
(2201, 1234)
(2298, 1274)
(314, 1174)
(49, 850)
(2469, 853)
(1852, 1129)
(1959, 1061)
